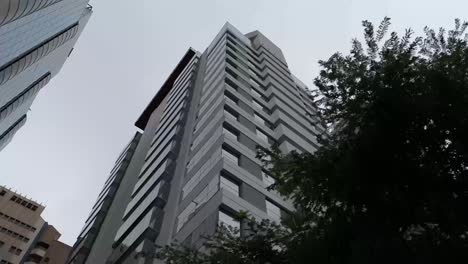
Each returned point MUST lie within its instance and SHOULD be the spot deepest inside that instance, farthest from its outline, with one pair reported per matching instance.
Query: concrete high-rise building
(36, 37)
(194, 165)
(25, 237)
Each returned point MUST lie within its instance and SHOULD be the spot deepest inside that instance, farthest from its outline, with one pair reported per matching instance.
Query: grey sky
(83, 118)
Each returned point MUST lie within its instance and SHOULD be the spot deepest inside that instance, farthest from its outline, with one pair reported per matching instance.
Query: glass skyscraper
(194, 164)
(36, 37)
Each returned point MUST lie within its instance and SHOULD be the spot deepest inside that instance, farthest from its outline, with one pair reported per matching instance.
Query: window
(22, 202)
(255, 93)
(230, 97)
(230, 113)
(230, 133)
(262, 135)
(204, 196)
(257, 104)
(42, 245)
(226, 220)
(267, 179)
(254, 82)
(229, 185)
(2, 193)
(231, 54)
(232, 73)
(252, 72)
(15, 250)
(229, 155)
(231, 84)
(230, 62)
(259, 119)
(17, 222)
(250, 63)
(273, 211)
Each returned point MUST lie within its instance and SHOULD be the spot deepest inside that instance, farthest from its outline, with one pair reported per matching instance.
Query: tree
(390, 182)
(265, 245)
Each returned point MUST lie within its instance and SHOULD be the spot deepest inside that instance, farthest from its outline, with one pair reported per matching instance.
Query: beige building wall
(57, 253)
(24, 235)
(20, 223)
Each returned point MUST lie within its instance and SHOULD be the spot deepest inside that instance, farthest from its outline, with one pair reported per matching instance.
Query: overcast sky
(83, 118)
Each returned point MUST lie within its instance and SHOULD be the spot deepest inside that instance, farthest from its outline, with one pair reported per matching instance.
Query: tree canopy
(390, 181)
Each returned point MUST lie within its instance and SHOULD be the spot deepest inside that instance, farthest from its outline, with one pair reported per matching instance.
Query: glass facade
(36, 39)
(197, 167)
(262, 104)
(7, 135)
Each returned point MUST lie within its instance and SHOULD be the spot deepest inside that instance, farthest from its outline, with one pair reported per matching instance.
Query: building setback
(25, 237)
(194, 165)
(36, 37)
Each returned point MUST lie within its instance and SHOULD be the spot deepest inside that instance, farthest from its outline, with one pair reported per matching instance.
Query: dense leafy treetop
(390, 182)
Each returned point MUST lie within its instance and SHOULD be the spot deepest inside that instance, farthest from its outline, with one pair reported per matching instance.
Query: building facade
(195, 164)
(25, 237)
(36, 37)
(97, 236)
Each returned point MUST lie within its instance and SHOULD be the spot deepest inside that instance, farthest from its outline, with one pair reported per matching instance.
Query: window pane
(202, 198)
(227, 220)
(254, 82)
(230, 97)
(273, 211)
(229, 133)
(252, 72)
(262, 135)
(267, 179)
(229, 114)
(259, 119)
(255, 93)
(229, 185)
(256, 104)
(230, 156)
(250, 64)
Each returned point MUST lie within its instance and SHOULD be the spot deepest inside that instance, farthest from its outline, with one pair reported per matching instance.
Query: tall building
(36, 37)
(25, 237)
(195, 164)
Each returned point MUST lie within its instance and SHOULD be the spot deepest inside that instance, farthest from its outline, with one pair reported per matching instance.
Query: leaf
(405, 40)
(369, 37)
(441, 39)
(383, 28)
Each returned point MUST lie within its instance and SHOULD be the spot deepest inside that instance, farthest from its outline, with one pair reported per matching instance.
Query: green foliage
(261, 243)
(390, 181)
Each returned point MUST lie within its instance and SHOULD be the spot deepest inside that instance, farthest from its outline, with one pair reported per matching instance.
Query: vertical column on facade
(145, 211)
(202, 171)
(292, 118)
(224, 176)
